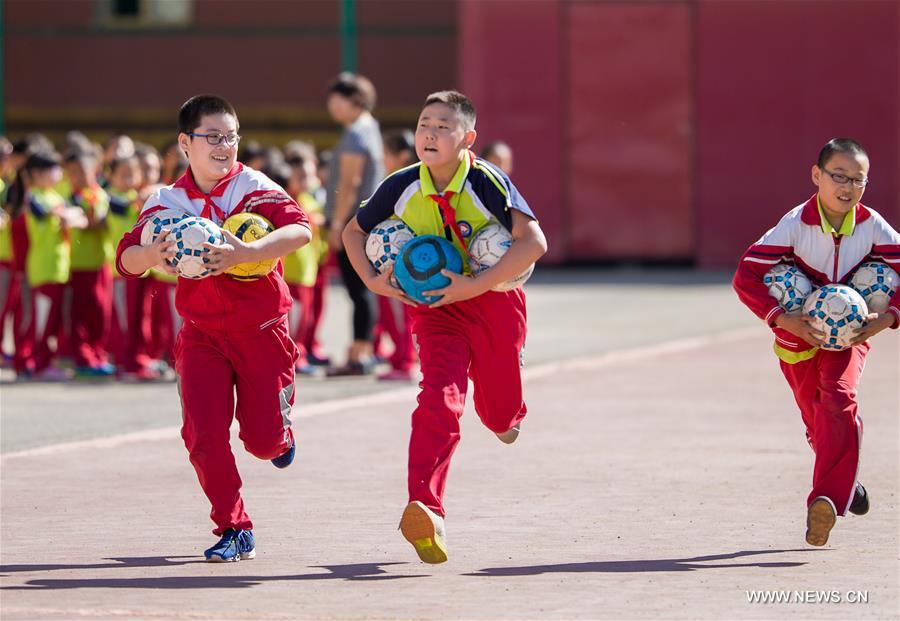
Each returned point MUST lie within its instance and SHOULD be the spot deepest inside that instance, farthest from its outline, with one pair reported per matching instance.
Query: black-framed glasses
(214, 139)
(843, 179)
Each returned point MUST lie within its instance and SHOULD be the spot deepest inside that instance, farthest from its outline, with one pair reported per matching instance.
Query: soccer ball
(190, 255)
(489, 244)
(249, 227)
(876, 282)
(838, 311)
(418, 268)
(788, 285)
(385, 242)
(157, 222)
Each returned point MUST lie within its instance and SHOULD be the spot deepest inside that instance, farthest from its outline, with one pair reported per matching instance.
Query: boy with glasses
(827, 237)
(235, 339)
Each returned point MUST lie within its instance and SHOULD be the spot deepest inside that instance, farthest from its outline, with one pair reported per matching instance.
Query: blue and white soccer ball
(788, 285)
(838, 311)
(189, 236)
(876, 283)
(156, 223)
(487, 247)
(418, 268)
(385, 242)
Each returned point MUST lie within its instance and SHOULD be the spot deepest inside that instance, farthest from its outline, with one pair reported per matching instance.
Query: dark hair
(198, 106)
(358, 89)
(839, 145)
(279, 172)
(121, 161)
(250, 150)
(399, 141)
(491, 148)
(32, 143)
(142, 150)
(42, 160)
(298, 152)
(79, 154)
(461, 104)
(325, 158)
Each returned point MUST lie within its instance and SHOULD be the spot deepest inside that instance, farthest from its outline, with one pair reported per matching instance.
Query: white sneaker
(424, 529)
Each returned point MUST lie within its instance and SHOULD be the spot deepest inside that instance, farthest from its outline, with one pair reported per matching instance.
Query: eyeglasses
(214, 139)
(843, 179)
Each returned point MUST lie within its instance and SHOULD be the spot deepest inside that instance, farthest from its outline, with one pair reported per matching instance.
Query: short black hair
(461, 104)
(399, 141)
(840, 145)
(42, 160)
(121, 161)
(279, 172)
(357, 88)
(199, 106)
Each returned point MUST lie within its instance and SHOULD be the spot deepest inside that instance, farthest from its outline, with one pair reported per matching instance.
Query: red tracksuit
(483, 339)
(824, 385)
(234, 342)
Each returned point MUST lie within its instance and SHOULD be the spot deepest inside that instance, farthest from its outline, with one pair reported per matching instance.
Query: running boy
(828, 237)
(471, 331)
(235, 336)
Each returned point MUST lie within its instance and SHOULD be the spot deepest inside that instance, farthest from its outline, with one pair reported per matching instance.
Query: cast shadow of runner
(124, 561)
(358, 571)
(643, 566)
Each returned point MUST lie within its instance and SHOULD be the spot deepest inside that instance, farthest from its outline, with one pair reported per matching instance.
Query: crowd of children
(64, 310)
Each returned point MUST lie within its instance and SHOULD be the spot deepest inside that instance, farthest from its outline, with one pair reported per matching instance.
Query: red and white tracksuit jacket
(823, 382)
(234, 340)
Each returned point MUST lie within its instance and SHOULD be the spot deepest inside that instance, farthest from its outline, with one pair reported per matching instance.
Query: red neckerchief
(448, 213)
(188, 184)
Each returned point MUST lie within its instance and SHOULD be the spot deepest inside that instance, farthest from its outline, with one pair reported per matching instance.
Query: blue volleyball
(418, 268)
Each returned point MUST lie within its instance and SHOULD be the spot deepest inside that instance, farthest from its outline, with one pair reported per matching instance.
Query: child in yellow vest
(47, 261)
(91, 279)
(131, 297)
(304, 269)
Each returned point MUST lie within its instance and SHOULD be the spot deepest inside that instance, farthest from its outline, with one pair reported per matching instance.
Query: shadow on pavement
(675, 564)
(138, 561)
(358, 571)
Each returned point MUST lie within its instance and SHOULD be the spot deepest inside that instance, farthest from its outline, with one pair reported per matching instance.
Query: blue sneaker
(235, 545)
(285, 459)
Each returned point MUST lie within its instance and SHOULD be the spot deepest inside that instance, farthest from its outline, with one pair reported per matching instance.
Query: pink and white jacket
(221, 302)
(800, 239)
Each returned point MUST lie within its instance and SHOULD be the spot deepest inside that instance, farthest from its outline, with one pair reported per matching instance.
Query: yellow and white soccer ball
(249, 227)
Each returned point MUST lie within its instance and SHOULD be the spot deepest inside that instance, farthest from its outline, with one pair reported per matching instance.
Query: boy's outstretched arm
(529, 245)
(354, 239)
(275, 245)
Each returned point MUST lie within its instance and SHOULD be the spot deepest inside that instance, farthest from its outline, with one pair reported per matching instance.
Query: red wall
(690, 127)
(776, 80)
(510, 57)
(630, 131)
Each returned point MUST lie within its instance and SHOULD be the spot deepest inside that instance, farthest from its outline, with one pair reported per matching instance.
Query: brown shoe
(820, 519)
(510, 435)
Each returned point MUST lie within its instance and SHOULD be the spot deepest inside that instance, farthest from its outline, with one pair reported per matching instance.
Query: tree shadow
(357, 571)
(643, 566)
